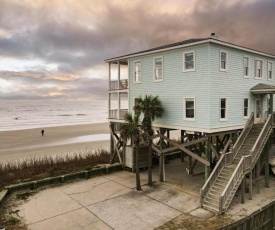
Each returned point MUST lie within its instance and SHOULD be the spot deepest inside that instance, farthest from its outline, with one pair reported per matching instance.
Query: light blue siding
(233, 85)
(207, 84)
(175, 86)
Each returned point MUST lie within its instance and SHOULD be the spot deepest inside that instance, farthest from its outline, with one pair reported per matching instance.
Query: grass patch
(24, 196)
(38, 168)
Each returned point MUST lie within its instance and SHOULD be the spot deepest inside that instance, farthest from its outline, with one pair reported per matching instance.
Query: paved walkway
(111, 202)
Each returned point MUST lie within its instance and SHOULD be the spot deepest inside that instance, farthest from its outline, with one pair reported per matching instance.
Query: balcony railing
(119, 84)
(113, 114)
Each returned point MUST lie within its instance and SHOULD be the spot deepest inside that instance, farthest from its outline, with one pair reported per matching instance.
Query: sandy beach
(21, 144)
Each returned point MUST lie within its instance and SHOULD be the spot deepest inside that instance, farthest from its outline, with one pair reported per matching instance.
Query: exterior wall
(207, 84)
(175, 86)
(233, 86)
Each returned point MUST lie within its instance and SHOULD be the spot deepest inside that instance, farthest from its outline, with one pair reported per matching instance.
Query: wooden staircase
(211, 200)
(219, 190)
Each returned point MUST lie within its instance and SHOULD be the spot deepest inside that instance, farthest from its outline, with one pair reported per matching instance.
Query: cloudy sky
(55, 49)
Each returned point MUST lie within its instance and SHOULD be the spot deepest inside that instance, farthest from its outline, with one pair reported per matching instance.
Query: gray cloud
(54, 33)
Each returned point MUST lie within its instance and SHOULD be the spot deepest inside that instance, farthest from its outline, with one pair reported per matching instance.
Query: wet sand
(21, 144)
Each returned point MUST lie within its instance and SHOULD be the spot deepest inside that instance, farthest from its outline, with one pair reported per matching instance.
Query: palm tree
(151, 108)
(132, 129)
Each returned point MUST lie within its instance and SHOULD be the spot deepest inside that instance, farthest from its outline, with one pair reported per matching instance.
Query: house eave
(213, 41)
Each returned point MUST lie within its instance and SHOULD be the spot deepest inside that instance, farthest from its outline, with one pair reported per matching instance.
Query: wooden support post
(150, 177)
(207, 154)
(168, 135)
(161, 158)
(267, 149)
(258, 175)
(124, 153)
(250, 185)
(189, 170)
(182, 141)
(243, 189)
(112, 147)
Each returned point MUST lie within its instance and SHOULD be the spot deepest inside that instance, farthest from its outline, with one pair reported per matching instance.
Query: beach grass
(48, 166)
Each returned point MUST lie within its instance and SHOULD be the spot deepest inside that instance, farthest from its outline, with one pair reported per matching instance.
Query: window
(189, 108)
(223, 115)
(269, 70)
(223, 61)
(258, 68)
(137, 72)
(246, 107)
(189, 61)
(158, 69)
(246, 67)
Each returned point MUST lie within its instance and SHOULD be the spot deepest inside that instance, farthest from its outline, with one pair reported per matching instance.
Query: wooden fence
(263, 219)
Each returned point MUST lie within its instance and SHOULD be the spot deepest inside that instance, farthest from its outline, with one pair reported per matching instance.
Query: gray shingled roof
(263, 88)
(189, 41)
(186, 42)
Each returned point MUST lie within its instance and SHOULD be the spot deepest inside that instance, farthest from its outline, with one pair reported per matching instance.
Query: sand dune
(21, 144)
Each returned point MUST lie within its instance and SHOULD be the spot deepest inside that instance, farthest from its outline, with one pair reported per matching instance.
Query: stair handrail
(232, 182)
(243, 135)
(224, 160)
(265, 130)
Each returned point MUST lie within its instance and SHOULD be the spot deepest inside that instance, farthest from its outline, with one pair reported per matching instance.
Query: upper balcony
(118, 84)
(118, 76)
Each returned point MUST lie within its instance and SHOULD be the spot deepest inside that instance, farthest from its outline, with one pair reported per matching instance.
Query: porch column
(118, 97)
(109, 75)
(109, 105)
(271, 103)
(118, 74)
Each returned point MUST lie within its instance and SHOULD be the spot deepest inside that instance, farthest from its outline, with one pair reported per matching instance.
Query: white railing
(225, 159)
(260, 140)
(246, 164)
(113, 113)
(243, 135)
(234, 181)
(119, 84)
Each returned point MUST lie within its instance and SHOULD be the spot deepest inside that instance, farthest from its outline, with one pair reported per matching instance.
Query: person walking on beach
(42, 132)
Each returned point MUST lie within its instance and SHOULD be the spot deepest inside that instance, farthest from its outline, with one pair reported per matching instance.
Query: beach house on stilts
(220, 95)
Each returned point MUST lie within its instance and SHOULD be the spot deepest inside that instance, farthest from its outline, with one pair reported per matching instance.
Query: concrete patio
(112, 202)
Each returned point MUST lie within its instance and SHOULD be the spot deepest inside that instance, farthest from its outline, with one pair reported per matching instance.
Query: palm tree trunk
(150, 179)
(136, 149)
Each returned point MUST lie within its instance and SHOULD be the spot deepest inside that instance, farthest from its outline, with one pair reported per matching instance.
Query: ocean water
(19, 114)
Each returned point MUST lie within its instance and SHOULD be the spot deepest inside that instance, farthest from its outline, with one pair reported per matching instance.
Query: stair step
(215, 194)
(209, 203)
(210, 207)
(212, 199)
(218, 188)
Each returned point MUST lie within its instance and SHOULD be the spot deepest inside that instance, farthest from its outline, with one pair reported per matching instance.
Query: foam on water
(19, 114)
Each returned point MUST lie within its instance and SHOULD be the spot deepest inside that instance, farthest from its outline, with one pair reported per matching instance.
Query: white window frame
(226, 62)
(154, 72)
(194, 61)
(248, 71)
(269, 79)
(184, 109)
(262, 66)
(248, 107)
(226, 108)
(134, 65)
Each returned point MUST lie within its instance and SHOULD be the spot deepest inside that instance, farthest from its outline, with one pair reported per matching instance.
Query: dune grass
(38, 168)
